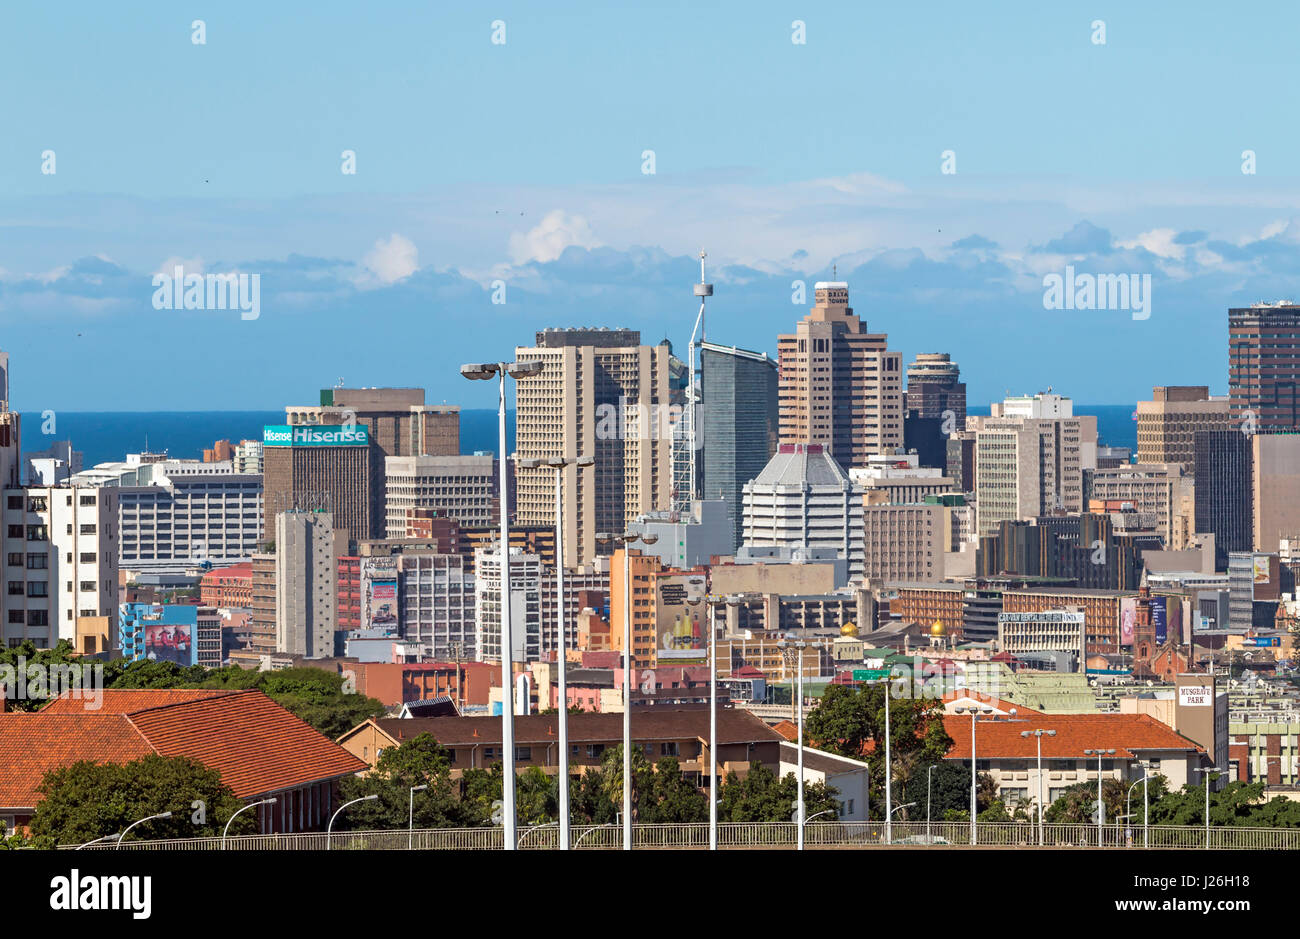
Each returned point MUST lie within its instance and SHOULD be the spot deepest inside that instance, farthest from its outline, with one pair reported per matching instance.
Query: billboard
(1160, 619)
(1259, 567)
(169, 642)
(681, 619)
(1127, 617)
(315, 435)
(379, 594)
(1196, 696)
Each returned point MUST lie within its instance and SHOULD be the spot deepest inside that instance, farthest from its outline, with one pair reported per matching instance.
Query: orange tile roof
(127, 700)
(33, 744)
(787, 729)
(256, 745)
(1124, 733)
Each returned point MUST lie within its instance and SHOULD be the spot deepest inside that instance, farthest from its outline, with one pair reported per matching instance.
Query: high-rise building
(740, 423)
(461, 487)
(306, 572)
(1164, 490)
(1264, 365)
(261, 621)
(1223, 490)
(1030, 456)
(338, 469)
(248, 457)
(525, 605)
(1275, 485)
(934, 406)
(1167, 424)
(804, 499)
(398, 420)
(840, 386)
(53, 466)
(60, 548)
(600, 393)
(437, 605)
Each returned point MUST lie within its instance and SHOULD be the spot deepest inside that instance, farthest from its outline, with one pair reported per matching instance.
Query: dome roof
(938, 629)
(848, 629)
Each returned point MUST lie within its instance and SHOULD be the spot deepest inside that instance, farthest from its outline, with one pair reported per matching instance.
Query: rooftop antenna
(702, 290)
(834, 271)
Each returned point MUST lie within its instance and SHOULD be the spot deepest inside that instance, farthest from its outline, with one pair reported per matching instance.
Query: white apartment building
(803, 499)
(1043, 631)
(1165, 490)
(60, 548)
(525, 605)
(306, 573)
(248, 457)
(175, 514)
(897, 478)
(1030, 456)
(462, 487)
(437, 597)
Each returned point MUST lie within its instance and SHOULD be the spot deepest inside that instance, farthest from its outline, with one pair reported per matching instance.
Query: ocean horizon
(107, 436)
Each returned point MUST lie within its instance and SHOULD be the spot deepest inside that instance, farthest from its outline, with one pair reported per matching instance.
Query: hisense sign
(343, 435)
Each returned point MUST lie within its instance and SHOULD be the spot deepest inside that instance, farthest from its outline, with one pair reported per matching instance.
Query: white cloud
(547, 241)
(189, 265)
(392, 260)
(1160, 242)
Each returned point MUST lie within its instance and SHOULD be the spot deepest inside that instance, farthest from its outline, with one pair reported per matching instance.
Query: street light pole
(789, 650)
(626, 540)
(562, 663)
(1205, 778)
(410, 809)
(485, 372)
(225, 831)
(151, 818)
(1039, 735)
(329, 831)
(889, 775)
(928, 776)
(974, 712)
(1101, 805)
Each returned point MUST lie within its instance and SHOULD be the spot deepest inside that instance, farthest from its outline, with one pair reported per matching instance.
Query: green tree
(671, 797)
(419, 761)
(1078, 802)
(949, 791)
(760, 796)
(89, 800)
(39, 666)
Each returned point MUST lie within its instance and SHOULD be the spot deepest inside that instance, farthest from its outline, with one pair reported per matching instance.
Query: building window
(669, 749)
(16, 502)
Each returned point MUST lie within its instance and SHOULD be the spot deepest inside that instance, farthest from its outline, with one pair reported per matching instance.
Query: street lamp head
(585, 461)
(1025, 733)
(1051, 733)
(479, 371)
(532, 464)
(370, 798)
(164, 815)
(523, 369)
(419, 788)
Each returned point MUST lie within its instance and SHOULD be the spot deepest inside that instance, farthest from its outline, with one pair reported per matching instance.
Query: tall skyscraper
(1275, 488)
(306, 570)
(1030, 456)
(1223, 490)
(1167, 423)
(740, 423)
(934, 406)
(840, 386)
(335, 468)
(1264, 365)
(604, 394)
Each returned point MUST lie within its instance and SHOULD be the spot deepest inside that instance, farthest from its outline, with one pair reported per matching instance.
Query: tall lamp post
(974, 713)
(1206, 773)
(484, 371)
(410, 815)
(562, 661)
(1146, 802)
(1039, 735)
(1101, 806)
(928, 773)
(329, 831)
(713, 721)
(625, 540)
(151, 818)
(252, 805)
(793, 651)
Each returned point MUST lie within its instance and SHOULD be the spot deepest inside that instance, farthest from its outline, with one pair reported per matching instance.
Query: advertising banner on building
(1195, 696)
(682, 619)
(316, 435)
(379, 593)
(1127, 616)
(169, 642)
(1259, 566)
(1160, 619)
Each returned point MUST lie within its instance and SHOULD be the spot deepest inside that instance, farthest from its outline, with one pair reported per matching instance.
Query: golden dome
(848, 629)
(937, 629)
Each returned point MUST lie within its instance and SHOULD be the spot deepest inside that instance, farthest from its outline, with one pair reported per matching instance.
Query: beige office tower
(1275, 482)
(600, 393)
(1164, 490)
(1030, 455)
(1167, 424)
(306, 570)
(840, 386)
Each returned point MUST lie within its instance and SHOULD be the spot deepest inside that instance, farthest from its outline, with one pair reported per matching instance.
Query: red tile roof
(1125, 733)
(33, 744)
(256, 745)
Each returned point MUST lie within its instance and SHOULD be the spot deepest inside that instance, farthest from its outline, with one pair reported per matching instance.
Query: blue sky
(522, 162)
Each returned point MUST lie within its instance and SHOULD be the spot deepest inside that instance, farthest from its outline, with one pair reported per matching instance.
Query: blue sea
(105, 436)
